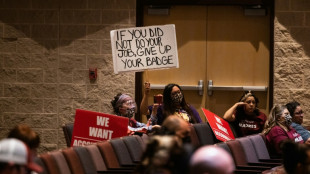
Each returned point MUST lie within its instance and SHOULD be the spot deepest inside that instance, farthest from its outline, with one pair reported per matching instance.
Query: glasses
(129, 103)
(299, 112)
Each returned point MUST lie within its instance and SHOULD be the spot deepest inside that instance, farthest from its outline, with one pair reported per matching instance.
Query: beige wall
(46, 48)
(291, 53)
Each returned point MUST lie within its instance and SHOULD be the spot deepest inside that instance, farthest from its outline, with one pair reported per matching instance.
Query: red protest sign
(219, 126)
(91, 127)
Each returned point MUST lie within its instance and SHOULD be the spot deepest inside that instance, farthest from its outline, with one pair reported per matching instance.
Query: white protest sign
(141, 48)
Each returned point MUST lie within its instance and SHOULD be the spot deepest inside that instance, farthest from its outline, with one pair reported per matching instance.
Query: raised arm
(144, 103)
(229, 114)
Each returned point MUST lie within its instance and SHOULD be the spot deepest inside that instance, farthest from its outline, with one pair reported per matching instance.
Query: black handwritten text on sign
(141, 48)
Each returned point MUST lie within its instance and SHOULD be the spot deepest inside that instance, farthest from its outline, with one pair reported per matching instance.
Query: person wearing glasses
(245, 116)
(123, 105)
(278, 128)
(297, 117)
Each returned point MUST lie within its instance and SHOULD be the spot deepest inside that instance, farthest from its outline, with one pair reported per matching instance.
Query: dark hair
(243, 98)
(169, 108)
(24, 133)
(291, 107)
(294, 153)
(114, 101)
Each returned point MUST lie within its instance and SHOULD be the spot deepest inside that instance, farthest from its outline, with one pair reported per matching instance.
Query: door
(215, 43)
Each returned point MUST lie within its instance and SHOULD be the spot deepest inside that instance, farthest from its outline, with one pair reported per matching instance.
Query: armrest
(259, 168)
(265, 164)
(272, 160)
(115, 171)
(241, 171)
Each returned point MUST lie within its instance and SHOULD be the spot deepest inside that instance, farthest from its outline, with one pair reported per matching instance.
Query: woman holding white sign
(124, 105)
(173, 103)
(245, 115)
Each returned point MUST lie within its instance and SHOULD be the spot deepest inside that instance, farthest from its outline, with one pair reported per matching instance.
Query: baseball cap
(15, 151)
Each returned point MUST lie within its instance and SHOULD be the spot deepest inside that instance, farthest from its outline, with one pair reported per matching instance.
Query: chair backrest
(50, 163)
(260, 146)
(121, 152)
(205, 134)
(68, 131)
(140, 140)
(233, 129)
(40, 162)
(194, 137)
(237, 152)
(248, 149)
(61, 162)
(97, 158)
(134, 147)
(73, 160)
(224, 146)
(86, 160)
(108, 155)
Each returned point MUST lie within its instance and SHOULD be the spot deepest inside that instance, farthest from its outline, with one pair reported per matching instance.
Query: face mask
(177, 98)
(288, 119)
(130, 112)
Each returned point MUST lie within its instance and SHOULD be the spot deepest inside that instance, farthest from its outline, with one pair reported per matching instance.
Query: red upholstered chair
(73, 160)
(97, 158)
(40, 162)
(50, 163)
(240, 158)
(61, 162)
(108, 155)
(87, 161)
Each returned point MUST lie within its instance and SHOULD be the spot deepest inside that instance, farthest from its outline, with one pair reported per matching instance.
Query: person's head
(174, 125)
(24, 133)
(279, 115)
(251, 103)
(173, 95)
(296, 157)
(296, 112)
(15, 158)
(161, 155)
(124, 105)
(212, 160)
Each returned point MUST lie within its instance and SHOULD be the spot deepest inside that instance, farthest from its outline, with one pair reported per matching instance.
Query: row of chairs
(119, 155)
(250, 153)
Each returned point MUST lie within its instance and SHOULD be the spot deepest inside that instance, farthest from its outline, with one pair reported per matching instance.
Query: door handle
(212, 88)
(198, 87)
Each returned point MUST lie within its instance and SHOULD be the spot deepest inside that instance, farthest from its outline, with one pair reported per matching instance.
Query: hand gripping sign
(219, 126)
(91, 127)
(142, 48)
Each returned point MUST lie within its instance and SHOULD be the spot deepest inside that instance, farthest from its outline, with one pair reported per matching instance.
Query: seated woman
(297, 117)
(124, 105)
(277, 129)
(174, 103)
(245, 115)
